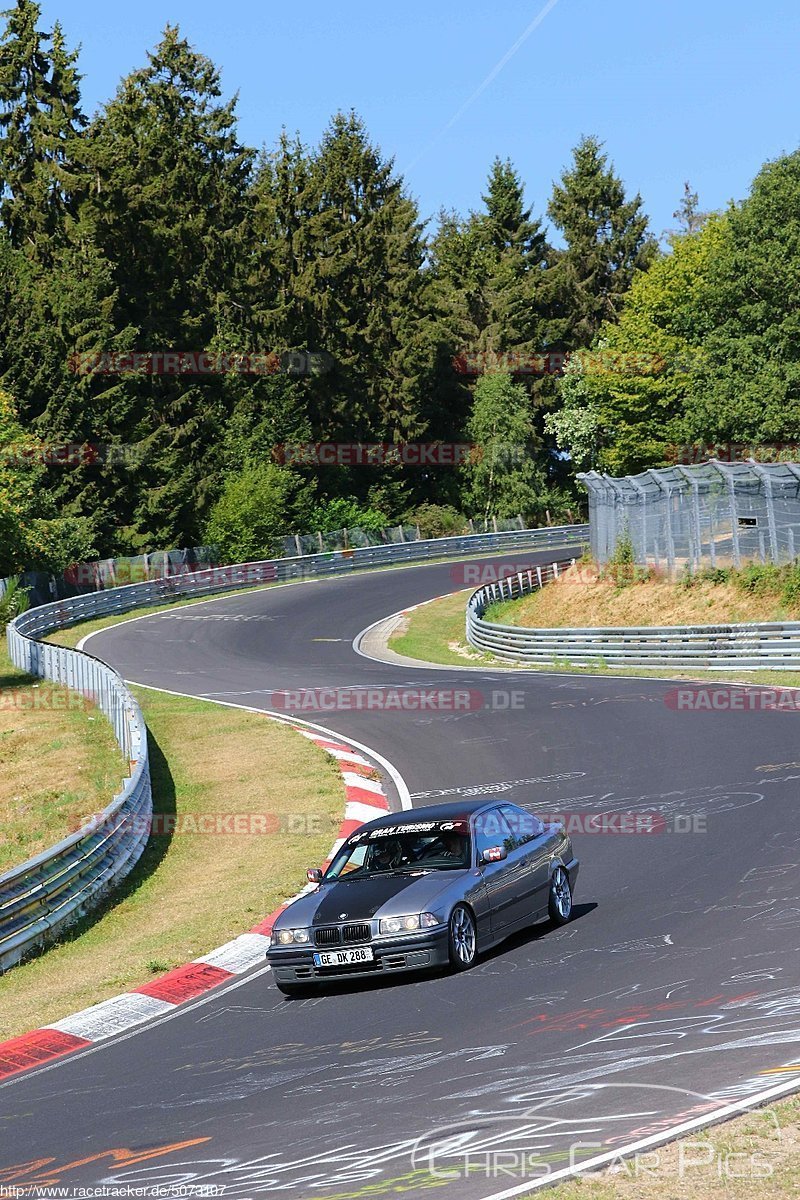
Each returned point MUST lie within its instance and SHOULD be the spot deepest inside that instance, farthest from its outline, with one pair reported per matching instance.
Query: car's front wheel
(463, 938)
(560, 900)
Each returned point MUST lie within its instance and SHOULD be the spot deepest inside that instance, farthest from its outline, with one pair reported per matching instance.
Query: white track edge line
(655, 1139)
(179, 1011)
(398, 780)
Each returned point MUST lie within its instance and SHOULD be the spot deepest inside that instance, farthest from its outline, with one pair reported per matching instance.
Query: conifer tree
(169, 207)
(362, 282)
(607, 242)
(40, 122)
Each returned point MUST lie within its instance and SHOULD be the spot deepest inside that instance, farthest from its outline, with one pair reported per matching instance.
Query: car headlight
(285, 937)
(408, 924)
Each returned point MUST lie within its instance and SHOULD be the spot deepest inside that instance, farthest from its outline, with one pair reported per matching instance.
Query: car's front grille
(333, 935)
(327, 937)
(356, 933)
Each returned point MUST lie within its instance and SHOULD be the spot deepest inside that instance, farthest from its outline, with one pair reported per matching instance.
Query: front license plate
(343, 958)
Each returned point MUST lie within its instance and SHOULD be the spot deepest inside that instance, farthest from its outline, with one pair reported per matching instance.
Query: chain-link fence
(166, 564)
(712, 514)
(393, 535)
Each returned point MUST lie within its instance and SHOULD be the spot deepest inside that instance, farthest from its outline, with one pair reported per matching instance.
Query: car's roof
(455, 810)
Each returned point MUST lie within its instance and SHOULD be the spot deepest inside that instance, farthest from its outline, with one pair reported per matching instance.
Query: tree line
(149, 228)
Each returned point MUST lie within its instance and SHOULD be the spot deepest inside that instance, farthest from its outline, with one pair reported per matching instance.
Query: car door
(535, 843)
(504, 881)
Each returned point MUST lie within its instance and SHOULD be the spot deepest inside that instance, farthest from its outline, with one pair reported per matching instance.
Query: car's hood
(362, 899)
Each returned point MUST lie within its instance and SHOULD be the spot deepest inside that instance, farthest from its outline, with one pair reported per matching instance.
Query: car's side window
(492, 829)
(524, 825)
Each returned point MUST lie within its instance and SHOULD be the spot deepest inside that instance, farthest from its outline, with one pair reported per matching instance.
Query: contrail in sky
(490, 78)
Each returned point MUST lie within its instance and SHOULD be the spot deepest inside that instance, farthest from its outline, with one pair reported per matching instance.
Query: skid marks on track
(481, 1100)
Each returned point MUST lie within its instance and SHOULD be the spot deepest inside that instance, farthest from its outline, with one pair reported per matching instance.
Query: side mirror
(314, 875)
(494, 854)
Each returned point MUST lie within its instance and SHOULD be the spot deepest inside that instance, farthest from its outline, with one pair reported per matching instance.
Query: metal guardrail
(39, 898)
(42, 896)
(745, 647)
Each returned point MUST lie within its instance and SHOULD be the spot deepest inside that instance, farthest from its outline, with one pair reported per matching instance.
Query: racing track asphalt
(674, 988)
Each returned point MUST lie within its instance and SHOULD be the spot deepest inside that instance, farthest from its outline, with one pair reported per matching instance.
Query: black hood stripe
(359, 898)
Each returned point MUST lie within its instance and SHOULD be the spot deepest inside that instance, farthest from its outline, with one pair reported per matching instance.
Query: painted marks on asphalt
(48, 1171)
(714, 799)
(582, 1019)
(490, 789)
(185, 616)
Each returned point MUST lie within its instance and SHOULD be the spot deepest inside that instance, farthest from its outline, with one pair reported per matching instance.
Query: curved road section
(673, 992)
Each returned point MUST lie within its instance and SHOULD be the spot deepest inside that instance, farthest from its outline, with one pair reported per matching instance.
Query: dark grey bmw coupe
(426, 887)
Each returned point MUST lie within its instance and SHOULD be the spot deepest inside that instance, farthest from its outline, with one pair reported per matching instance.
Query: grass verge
(191, 892)
(581, 597)
(75, 770)
(434, 633)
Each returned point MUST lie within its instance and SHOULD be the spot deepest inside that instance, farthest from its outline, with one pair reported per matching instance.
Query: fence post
(766, 480)
(667, 491)
(731, 485)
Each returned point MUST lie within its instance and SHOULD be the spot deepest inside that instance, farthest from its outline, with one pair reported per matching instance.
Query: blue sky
(704, 90)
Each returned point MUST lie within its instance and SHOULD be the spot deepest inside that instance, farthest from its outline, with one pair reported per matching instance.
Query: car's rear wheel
(293, 989)
(463, 938)
(560, 901)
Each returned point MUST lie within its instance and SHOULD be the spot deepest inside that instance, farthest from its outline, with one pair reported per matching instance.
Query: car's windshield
(443, 846)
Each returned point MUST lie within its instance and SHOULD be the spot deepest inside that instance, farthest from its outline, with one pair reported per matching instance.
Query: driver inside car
(449, 845)
(386, 855)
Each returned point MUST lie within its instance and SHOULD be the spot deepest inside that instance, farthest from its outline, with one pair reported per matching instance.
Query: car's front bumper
(293, 964)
